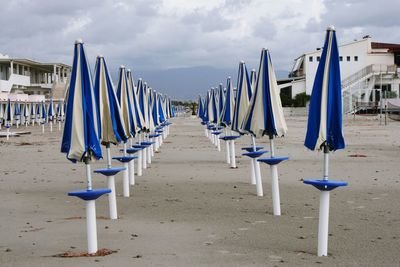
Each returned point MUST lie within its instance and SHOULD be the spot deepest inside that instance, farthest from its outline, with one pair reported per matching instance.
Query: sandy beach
(190, 209)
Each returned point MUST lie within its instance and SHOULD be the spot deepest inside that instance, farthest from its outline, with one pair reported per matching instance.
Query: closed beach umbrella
(17, 113)
(200, 108)
(51, 114)
(33, 113)
(267, 118)
(324, 128)
(111, 128)
(226, 116)
(80, 139)
(26, 113)
(43, 115)
(161, 110)
(243, 95)
(8, 114)
(265, 114)
(124, 98)
(221, 99)
(143, 104)
(8, 117)
(137, 115)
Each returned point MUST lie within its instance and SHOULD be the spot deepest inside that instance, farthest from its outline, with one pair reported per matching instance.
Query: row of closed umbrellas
(255, 109)
(98, 114)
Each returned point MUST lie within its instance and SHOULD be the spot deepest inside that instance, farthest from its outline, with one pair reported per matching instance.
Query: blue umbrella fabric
(325, 115)
(226, 116)
(221, 99)
(8, 114)
(125, 103)
(265, 114)
(243, 96)
(43, 114)
(111, 127)
(80, 139)
(137, 115)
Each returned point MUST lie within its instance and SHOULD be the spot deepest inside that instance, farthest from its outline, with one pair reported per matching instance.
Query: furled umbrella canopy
(242, 99)
(124, 98)
(138, 117)
(325, 115)
(80, 138)
(265, 114)
(226, 116)
(111, 128)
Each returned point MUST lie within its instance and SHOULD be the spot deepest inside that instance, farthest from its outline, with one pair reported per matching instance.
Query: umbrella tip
(229, 77)
(100, 56)
(140, 79)
(253, 70)
(122, 67)
(241, 61)
(331, 28)
(128, 70)
(79, 41)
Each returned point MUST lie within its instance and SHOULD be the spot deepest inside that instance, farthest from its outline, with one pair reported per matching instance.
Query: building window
(340, 58)
(318, 58)
(355, 58)
(310, 59)
(348, 58)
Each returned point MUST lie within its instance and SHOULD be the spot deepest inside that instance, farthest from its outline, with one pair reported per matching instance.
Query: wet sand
(190, 209)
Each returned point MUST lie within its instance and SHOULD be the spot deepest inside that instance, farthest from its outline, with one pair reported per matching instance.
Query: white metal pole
(323, 224)
(139, 163)
(91, 227)
(132, 172)
(276, 202)
(126, 180)
(205, 130)
(152, 147)
(149, 154)
(233, 158)
(144, 158)
(43, 127)
(228, 156)
(218, 144)
(253, 175)
(59, 125)
(112, 200)
(51, 126)
(8, 133)
(259, 186)
(88, 174)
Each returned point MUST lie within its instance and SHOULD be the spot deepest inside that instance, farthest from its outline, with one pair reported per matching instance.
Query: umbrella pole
(139, 160)
(227, 143)
(144, 158)
(125, 181)
(324, 211)
(276, 202)
(91, 227)
(252, 165)
(112, 199)
(51, 126)
(8, 132)
(257, 172)
(232, 153)
(149, 152)
(59, 125)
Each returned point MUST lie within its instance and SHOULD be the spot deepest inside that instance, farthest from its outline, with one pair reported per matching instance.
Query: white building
(367, 68)
(28, 80)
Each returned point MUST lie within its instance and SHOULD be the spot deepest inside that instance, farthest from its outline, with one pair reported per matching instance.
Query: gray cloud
(163, 34)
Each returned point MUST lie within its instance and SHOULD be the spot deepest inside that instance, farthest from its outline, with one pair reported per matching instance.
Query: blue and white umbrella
(33, 113)
(17, 113)
(324, 129)
(124, 98)
(137, 115)
(226, 116)
(51, 114)
(200, 108)
(8, 115)
(143, 104)
(213, 116)
(265, 114)
(221, 99)
(111, 130)
(43, 115)
(111, 127)
(161, 108)
(25, 113)
(243, 96)
(80, 139)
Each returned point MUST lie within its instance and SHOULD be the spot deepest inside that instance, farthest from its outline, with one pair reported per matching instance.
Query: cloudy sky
(165, 34)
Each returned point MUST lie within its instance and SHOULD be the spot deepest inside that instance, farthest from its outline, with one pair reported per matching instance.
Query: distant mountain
(188, 83)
